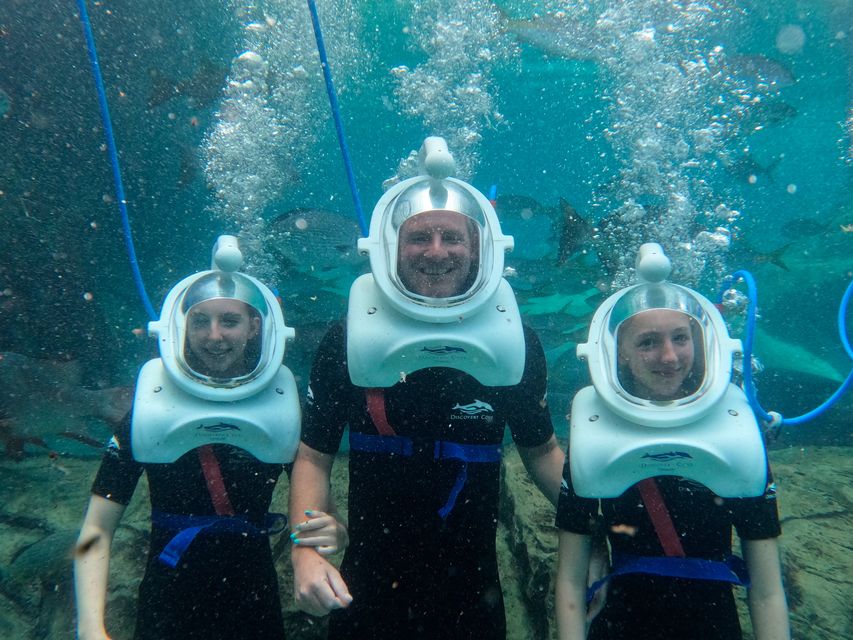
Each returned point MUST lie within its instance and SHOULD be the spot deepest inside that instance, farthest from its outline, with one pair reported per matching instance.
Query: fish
(557, 36)
(39, 580)
(314, 241)
(744, 256)
(42, 400)
(758, 72)
(580, 33)
(575, 232)
(47, 560)
(804, 227)
(766, 113)
(544, 237)
(749, 170)
(21, 521)
(578, 305)
(534, 227)
(203, 87)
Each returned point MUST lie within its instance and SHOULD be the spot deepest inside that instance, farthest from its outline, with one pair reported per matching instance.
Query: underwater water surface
(722, 130)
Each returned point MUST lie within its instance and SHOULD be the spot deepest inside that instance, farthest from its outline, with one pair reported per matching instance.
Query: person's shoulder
(530, 333)
(119, 445)
(336, 334)
(331, 351)
(338, 329)
(532, 343)
(122, 429)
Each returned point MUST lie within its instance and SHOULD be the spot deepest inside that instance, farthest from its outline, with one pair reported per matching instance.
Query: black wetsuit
(412, 573)
(225, 585)
(651, 607)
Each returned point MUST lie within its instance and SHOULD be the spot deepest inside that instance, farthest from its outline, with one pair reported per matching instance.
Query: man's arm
(317, 586)
(544, 463)
(768, 609)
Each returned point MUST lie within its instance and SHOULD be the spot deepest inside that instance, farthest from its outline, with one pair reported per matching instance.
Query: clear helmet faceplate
(265, 340)
(467, 220)
(627, 325)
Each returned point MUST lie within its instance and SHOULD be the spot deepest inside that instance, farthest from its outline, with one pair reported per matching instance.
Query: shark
(777, 354)
(585, 34)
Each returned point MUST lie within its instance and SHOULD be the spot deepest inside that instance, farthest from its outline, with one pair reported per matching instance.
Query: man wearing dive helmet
(431, 365)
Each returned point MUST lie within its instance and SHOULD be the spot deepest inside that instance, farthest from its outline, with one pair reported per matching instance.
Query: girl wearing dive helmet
(657, 354)
(218, 334)
(210, 572)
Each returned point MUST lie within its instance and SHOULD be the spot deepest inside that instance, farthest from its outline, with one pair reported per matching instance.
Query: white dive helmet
(393, 331)
(223, 281)
(435, 190)
(709, 436)
(717, 347)
(177, 408)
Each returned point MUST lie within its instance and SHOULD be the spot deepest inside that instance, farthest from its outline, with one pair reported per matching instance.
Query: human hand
(322, 531)
(318, 588)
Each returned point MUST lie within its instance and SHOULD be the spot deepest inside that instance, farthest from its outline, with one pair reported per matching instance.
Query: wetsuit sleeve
(757, 518)
(529, 417)
(326, 408)
(574, 514)
(119, 473)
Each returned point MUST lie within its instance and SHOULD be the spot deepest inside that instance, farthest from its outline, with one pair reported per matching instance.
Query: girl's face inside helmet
(219, 334)
(438, 254)
(657, 355)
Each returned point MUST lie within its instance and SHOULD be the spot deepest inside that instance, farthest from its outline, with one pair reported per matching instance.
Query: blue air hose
(748, 382)
(113, 155)
(336, 115)
(842, 322)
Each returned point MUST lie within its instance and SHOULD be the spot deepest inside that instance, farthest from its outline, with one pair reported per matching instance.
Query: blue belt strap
(189, 527)
(466, 453)
(732, 569)
(443, 450)
(369, 443)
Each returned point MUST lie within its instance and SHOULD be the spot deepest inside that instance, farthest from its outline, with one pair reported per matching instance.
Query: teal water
(740, 109)
(556, 118)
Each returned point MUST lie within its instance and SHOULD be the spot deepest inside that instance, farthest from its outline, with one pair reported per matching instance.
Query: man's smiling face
(436, 254)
